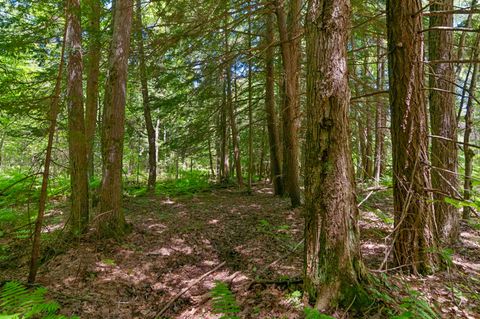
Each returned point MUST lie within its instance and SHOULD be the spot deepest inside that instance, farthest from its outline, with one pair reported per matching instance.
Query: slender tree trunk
(289, 31)
(52, 116)
(469, 153)
(273, 135)
(147, 114)
(250, 111)
(224, 175)
(78, 221)
(413, 236)
(111, 220)
(231, 115)
(443, 123)
(94, 9)
(333, 265)
(210, 157)
(380, 119)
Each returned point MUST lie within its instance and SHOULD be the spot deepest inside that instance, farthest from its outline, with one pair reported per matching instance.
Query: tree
(333, 265)
(413, 212)
(273, 136)
(380, 118)
(289, 30)
(443, 122)
(76, 123)
(152, 156)
(94, 9)
(111, 220)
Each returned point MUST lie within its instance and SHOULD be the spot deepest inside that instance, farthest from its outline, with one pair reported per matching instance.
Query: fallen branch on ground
(161, 312)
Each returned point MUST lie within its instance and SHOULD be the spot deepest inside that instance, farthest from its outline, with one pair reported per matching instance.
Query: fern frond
(224, 301)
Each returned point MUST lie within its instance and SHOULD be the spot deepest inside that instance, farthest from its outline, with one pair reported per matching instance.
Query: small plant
(17, 302)
(224, 301)
(311, 313)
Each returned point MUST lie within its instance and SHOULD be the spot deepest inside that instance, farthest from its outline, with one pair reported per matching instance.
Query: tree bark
(52, 117)
(250, 107)
(380, 119)
(413, 235)
(443, 123)
(94, 9)
(468, 152)
(289, 31)
(273, 135)
(333, 265)
(111, 220)
(77, 144)
(147, 114)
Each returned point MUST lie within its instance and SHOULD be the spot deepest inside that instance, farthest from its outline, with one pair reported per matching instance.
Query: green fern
(311, 313)
(224, 301)
(17, 302)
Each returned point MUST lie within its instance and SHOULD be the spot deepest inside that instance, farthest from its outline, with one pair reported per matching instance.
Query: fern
(17, 302)
(224, 301)
(311, 313)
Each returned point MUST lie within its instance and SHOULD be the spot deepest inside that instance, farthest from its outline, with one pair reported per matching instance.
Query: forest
(227, 159)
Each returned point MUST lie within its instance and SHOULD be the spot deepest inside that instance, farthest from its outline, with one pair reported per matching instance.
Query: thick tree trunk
(289, 31)
(443, 123)
(413, 238)
(273, 135)
(147, 114)
(77, 143)
(111, 220)
(224, 174)
(42, 201)
(94, 9)
(468, 152)
(333, 265)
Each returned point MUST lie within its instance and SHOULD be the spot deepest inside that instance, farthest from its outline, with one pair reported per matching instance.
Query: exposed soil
(176, 240)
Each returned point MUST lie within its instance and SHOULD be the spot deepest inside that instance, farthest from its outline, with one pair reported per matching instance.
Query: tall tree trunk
(289, 31)
(469, 153)
(42, 201)
(250, 110)
(147, 114)
(94, 9)
(224, 175)
(413, 236)
(273, 135)
(333, 265)
(380, 119)
(78, 221)
(111, 220)
(231, 114)
(443, 123)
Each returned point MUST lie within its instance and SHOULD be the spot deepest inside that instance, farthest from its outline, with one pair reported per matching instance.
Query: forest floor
(175, 240)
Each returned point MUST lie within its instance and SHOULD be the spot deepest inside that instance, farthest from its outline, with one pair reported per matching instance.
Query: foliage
(311, 313)
(17, 302)
(224, 301)
(188, 183)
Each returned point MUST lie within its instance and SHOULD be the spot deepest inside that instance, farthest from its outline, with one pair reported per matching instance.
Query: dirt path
(176, 240)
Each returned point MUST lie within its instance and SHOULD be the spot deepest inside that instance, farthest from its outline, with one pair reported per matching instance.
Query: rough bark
(413, 235)
(223, 175)
(273, 135)
(333, 265)
(147, 114)
(92, 66)
(289, 31)
(42, 201)
(250, 107)
(111, 220)
(77, 144)
(443, 123)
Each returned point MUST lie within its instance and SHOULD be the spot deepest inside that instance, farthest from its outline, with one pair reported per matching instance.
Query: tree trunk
(443, 123)
(94, 9)
(413, 236)
(224, 175)
(380, 120)
(289, 31)
(111, 220)
(469, 153)
(52, 116)
(273, 135)
(333, 265)
(152, 156)
(78, 221)
(231, 115)
(250, 107)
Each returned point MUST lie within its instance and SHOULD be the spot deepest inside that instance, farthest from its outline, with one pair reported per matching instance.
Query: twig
(161, 312)
(365, 199)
